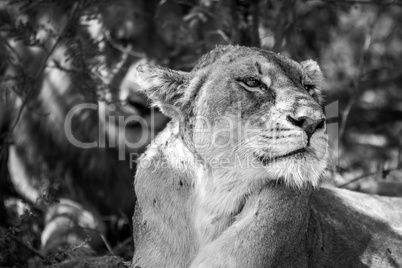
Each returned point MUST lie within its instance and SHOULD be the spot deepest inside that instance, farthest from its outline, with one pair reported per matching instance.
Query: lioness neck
(267, 229)
(270, 231)
(222, 196)
(269, 221)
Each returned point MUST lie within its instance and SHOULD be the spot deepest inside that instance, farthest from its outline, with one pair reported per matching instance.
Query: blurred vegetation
(358, 44)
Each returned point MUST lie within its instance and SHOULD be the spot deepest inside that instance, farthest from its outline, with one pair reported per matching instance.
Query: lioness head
(247, 111)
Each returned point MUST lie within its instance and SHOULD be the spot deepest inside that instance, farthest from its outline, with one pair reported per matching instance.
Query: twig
(358, 78)
(102, 236)
(122, 244)
(12, 49)
(58, 256)
(118, 71)
(17, 65)
(107, 244)
(58, 40)
(384, 173)
(121, 48)
(357, 178)
(127, 220)
(222, 34)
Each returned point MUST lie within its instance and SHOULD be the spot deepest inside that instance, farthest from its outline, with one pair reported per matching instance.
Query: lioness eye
(252, 83)
(309, 88)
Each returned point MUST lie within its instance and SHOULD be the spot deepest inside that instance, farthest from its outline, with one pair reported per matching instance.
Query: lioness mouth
(265, 161)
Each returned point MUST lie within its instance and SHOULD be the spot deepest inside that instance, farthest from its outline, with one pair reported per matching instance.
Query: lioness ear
(163, 86)
(313, 77)
(312, 72)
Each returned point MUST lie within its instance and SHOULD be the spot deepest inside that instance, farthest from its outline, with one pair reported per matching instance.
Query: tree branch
(384, 173)
(255, 24)
(41, 69)
(14, 52)
(31, 92)
(122, 49)
(361, 69)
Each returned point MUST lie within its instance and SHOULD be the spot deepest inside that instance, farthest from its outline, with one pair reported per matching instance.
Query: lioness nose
(309, 125)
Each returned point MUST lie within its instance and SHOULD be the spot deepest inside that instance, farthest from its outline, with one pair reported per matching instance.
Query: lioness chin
(233, 180)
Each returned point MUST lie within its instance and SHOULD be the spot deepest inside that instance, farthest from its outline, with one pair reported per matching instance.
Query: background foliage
(357, 43)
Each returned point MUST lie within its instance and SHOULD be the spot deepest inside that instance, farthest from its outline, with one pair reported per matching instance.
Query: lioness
(233, 180)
